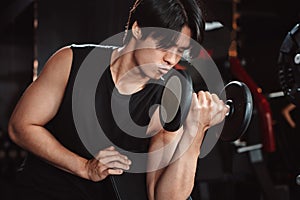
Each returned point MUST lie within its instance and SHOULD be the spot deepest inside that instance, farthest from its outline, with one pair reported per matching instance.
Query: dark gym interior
(252, 33)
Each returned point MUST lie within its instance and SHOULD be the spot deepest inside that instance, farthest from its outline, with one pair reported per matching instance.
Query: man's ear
(136, 31)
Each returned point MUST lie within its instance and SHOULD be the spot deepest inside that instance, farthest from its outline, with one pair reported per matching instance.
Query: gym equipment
(289, 65)
(239, 99)
(176, 101)
(289, 68)
(262, 104)
(298, 180)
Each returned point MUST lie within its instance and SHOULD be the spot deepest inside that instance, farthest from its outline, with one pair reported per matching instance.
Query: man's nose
(171, 58)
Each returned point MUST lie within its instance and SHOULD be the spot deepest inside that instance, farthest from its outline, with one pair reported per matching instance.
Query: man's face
(153, 61)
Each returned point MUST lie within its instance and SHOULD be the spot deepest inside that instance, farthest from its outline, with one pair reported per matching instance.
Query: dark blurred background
(32, 30)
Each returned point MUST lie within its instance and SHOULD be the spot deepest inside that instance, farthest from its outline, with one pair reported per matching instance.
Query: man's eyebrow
(174, 44)
(185, 47)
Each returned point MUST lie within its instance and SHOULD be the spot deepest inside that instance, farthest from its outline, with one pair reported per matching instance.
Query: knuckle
(101, 161)
(221, 107)
(100, 153)
(201, 94)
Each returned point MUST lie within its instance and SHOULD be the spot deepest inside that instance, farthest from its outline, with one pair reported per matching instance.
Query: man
(60, 166)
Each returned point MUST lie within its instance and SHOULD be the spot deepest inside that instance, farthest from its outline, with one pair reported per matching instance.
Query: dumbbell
(176, 101)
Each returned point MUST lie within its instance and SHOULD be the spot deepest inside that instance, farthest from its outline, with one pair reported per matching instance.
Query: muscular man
(60, 167)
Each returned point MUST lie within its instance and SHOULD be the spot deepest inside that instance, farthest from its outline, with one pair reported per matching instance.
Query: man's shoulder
(92, 46)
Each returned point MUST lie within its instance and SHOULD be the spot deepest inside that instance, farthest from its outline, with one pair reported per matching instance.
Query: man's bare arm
(38, 105)
(206, 111)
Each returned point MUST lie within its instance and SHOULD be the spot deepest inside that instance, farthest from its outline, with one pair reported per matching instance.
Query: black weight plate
(239, 99)
(289, 67)
(176, 99)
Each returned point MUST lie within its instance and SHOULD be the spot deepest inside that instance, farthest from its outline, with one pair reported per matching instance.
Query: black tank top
(46, 179)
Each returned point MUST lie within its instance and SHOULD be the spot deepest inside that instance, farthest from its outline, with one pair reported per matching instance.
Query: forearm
(206, 110)
(180, 174)
(39, 141)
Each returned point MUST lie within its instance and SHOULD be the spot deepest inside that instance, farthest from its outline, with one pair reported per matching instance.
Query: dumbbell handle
(229, 104)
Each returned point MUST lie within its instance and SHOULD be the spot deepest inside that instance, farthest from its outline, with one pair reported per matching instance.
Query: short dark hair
(169, 14)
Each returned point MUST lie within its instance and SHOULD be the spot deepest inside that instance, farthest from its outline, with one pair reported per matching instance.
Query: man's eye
(180, 51)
